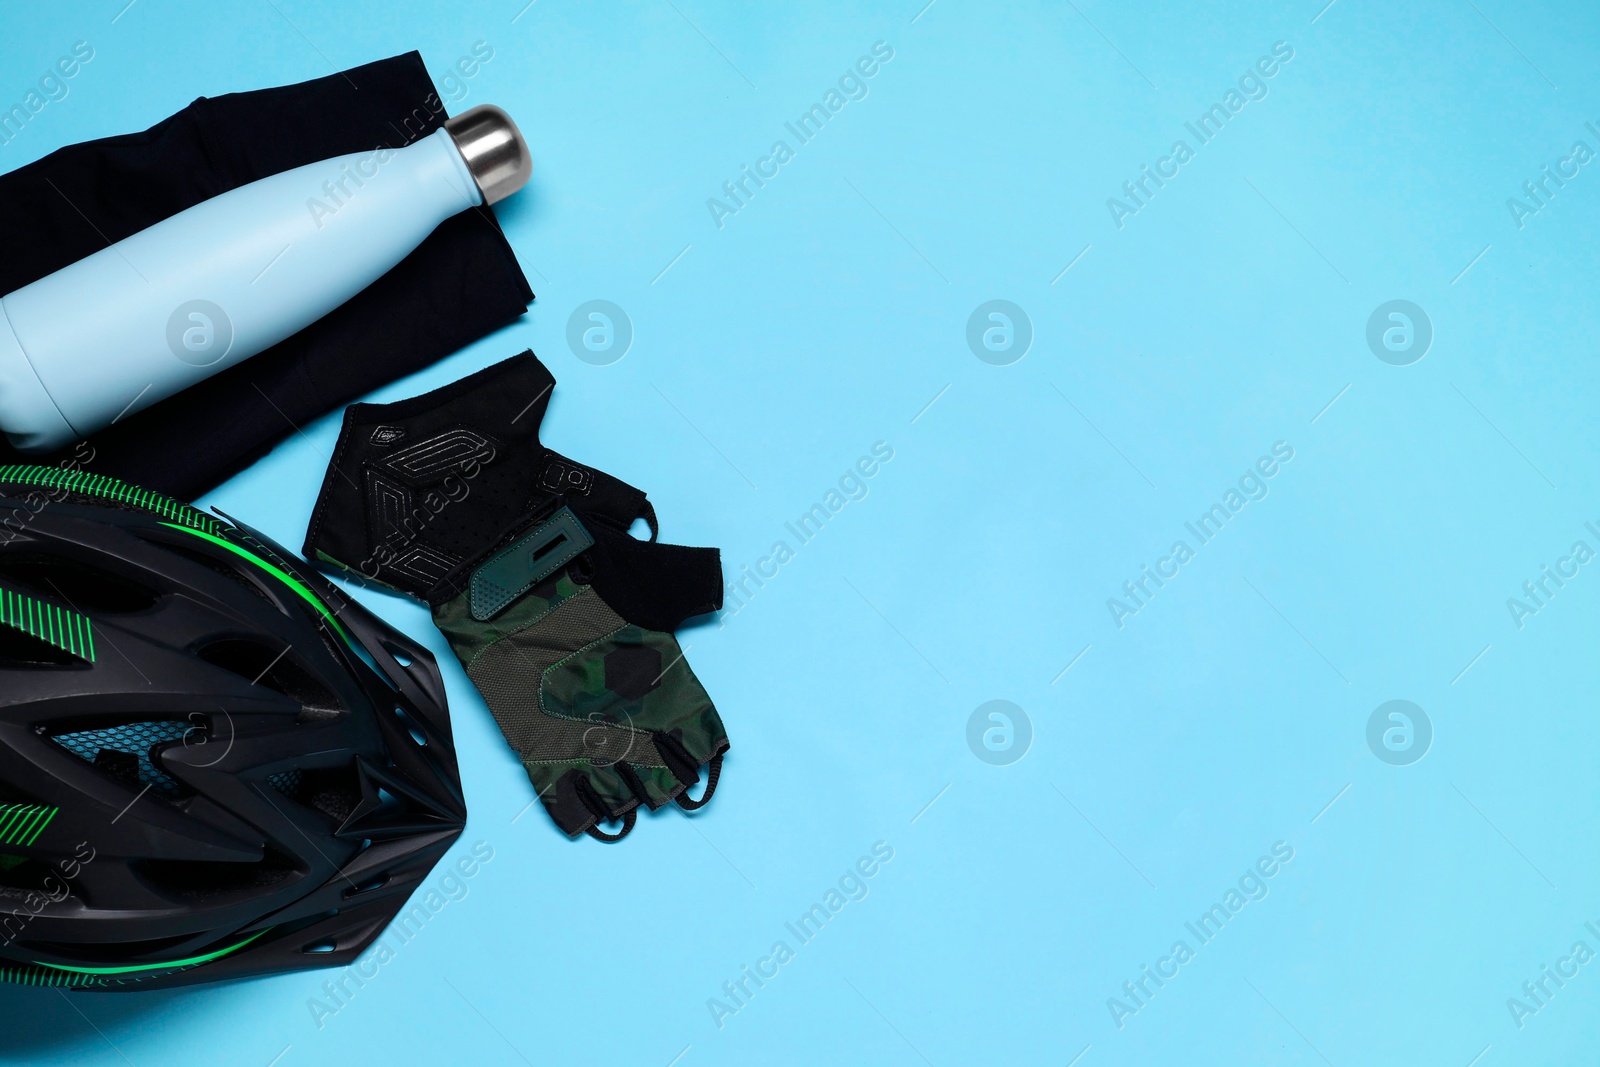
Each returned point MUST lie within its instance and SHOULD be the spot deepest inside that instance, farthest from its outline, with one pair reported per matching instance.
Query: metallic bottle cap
(494, 150)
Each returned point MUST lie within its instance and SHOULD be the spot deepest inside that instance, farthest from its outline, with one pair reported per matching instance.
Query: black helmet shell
(212, 763)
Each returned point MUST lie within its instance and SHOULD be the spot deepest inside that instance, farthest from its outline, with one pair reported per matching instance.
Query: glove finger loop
(683, 766)
(591, 798)
(713, 772)
(634, 782)
(630, 817)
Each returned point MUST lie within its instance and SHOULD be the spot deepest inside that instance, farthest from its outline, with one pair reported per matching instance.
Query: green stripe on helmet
(55, 626)
(21, 824)
(49, 974)
(279, 573)
(110, 489)
(173, 965)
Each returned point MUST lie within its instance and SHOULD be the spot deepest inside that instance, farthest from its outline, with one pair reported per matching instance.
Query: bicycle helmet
(212, 764)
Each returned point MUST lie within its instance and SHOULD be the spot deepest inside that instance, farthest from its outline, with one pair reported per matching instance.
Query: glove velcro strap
(500, 580)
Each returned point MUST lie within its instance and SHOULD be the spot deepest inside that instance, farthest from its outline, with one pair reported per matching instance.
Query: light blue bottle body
(214, 285)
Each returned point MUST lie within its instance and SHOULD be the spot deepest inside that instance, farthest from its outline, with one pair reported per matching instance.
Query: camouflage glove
(563, 620)
(567, 634)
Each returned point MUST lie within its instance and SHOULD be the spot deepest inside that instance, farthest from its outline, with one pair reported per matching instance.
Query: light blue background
(1230, 713)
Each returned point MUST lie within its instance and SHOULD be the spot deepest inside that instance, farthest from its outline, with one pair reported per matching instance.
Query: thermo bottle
(229, 277)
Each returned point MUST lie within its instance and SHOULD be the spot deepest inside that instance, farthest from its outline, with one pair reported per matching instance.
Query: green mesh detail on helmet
(8, 860)
(58, 627)
(109, 489)
(21, 824)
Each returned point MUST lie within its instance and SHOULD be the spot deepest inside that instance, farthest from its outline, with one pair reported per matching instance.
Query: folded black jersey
(463, 282)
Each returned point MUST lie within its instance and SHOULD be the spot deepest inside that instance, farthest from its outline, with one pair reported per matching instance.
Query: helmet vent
(208, 882)
(334, 791)
(274, 668)
(20, 651)
(126, 752)
(83, 587)
(376, 882)
(22, 875)
(225, 568)
(410, 724)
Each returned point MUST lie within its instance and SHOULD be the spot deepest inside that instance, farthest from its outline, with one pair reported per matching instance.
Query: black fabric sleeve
(460, 284)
